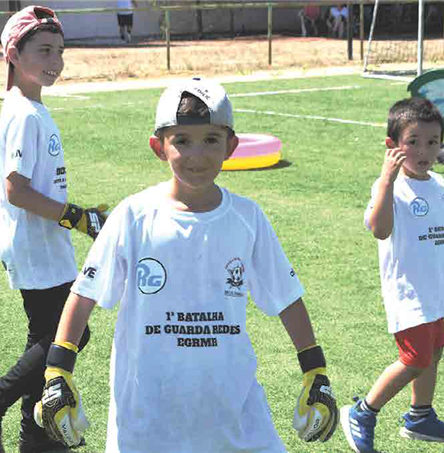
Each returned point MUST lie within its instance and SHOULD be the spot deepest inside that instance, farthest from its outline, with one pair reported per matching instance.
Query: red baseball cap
(20, 24)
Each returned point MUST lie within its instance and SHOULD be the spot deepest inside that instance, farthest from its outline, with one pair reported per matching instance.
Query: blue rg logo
(150, 275)
(54, 145)
(419, 207)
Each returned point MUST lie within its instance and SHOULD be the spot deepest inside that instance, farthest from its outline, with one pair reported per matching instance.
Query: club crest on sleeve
(151, 276)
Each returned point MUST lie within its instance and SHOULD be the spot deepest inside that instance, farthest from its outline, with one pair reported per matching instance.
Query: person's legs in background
(26, 378)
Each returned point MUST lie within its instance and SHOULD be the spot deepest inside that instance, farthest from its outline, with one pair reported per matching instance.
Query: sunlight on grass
(316, 204)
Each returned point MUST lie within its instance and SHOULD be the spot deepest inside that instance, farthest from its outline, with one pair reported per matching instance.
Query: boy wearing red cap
(35, 217)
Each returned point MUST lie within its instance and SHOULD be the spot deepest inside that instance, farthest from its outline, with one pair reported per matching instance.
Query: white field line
(268, 93)
(310, 117)
(71, 96)
(302, 90)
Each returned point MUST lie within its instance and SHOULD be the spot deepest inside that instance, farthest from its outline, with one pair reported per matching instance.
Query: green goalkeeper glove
(60, 411)
(316, 414)
(88, 221)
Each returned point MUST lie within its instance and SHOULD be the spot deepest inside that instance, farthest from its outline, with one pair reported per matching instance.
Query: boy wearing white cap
(35, 217)
(181, 258)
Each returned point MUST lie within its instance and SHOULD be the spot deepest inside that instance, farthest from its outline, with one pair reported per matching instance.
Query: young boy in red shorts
(406, 215)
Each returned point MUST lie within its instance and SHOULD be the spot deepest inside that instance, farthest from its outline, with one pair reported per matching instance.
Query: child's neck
(32, 93)
(409, 174)
(204, 201)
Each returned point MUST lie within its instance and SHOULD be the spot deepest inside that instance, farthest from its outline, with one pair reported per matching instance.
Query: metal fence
(170, 7)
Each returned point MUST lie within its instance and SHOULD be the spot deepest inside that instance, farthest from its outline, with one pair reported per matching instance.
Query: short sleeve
(274, 284)
(370, 204)
(21, 146)
(103, 276)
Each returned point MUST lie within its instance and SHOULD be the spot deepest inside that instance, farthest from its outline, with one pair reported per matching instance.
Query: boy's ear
(233, 142)
(13, 55)
(157, 146)
(390, 143)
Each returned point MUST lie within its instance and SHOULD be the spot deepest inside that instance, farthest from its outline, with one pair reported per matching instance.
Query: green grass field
(332, 131)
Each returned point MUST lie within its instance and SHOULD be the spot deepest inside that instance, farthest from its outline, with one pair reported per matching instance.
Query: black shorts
(125, 20)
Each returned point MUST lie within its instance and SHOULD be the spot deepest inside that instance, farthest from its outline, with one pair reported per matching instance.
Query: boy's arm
(60, 411)
(297, 323)
(316, 414)
(74, 319)
(20, 194)
(381, 216)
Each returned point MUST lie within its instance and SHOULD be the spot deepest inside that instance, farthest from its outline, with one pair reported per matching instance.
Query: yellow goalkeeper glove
(60, 412)
(316, 414)
(88, 221)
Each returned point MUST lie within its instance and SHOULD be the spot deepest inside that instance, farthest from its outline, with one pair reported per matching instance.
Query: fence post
(361, 28)
(167, 34)
(350, 26)
(270, 32)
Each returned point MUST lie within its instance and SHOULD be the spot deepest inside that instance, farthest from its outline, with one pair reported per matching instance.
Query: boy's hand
(60, 412)
(88, 221)
(316, 414)
(394, 158)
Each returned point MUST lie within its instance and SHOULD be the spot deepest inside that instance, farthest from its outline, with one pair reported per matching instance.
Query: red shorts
(418, 344)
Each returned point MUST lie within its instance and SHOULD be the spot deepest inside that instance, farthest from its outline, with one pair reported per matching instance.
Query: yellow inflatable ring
(254, 151)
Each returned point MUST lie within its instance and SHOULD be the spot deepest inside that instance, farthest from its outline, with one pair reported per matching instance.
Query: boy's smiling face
(40, 62)
(421, 142)
(196, 153)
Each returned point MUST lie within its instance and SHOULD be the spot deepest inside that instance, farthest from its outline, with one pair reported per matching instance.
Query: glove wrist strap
(311, 358)
(61, 357)
(71, 216)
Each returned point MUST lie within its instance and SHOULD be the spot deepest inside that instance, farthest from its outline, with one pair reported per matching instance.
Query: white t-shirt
(336, 12)
(124, 4)
(182, 367)
(411, 259)
(37, 252)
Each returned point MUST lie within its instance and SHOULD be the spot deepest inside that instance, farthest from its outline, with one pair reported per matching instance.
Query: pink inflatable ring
(254, 151)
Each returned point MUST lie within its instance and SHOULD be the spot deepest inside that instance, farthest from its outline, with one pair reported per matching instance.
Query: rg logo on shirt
(419, 207)
(150, 275)
(54, 145)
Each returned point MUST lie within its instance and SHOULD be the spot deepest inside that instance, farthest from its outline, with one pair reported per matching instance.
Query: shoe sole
(404, 432)
(345, 424)
(345, 415)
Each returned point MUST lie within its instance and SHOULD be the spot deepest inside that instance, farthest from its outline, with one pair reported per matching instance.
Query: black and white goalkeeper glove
(88, 221)
(316, 413)
(60, 412)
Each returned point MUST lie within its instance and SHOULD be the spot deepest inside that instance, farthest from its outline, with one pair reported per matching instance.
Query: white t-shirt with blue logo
(37, 252)
(411, 259)
(183, 370)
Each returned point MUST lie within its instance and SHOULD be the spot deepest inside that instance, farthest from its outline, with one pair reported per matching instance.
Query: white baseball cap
(210, 93)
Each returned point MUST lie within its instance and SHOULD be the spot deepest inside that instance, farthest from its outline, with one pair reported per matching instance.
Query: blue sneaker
(359, 428)
(425, 428)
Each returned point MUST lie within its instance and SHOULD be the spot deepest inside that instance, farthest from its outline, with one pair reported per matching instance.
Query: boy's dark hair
(410, 110)
(192, 111)
(43, 27)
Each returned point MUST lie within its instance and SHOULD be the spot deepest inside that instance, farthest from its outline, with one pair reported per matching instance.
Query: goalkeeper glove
(88, 221)
(316, 414)
(60, 411)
